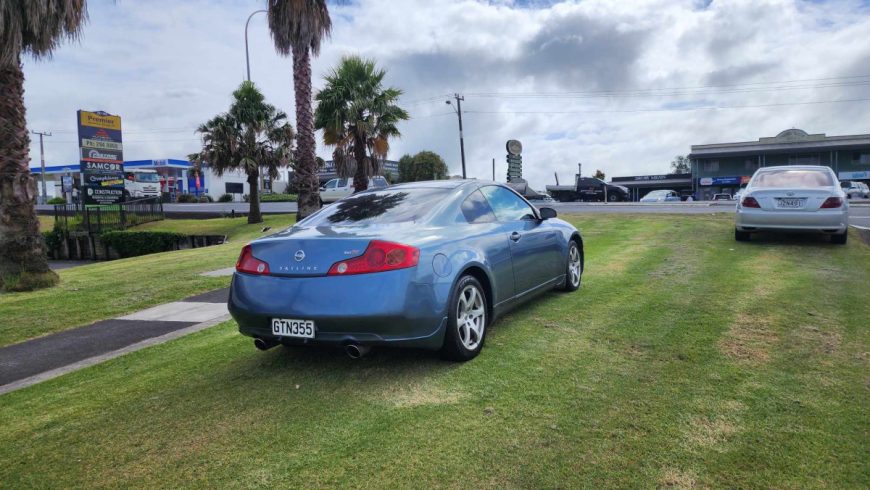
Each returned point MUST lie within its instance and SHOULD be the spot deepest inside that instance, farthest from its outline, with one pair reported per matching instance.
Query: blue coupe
(423, 264)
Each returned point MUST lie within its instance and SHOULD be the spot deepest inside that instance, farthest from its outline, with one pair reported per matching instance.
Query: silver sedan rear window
(793, 178)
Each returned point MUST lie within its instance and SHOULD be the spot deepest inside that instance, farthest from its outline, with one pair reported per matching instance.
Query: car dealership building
(723, 167)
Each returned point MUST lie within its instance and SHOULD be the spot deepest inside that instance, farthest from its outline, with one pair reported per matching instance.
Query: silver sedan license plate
(289, 327)
(789, 202)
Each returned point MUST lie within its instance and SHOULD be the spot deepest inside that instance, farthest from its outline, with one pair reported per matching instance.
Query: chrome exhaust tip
(355, 351)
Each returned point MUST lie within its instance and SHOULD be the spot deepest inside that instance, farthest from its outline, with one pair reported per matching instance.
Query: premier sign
(102, 157)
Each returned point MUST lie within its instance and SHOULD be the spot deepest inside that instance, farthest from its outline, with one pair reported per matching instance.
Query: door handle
(515, 236)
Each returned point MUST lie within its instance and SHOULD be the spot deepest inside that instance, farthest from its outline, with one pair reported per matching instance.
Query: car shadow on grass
(797, 239)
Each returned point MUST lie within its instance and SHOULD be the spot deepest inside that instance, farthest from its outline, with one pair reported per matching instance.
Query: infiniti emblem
(789, 194)
(299, 255)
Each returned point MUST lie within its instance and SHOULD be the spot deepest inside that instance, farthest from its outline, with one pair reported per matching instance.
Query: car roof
(795, 167)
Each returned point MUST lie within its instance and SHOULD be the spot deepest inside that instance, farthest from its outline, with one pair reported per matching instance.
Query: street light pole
(458, 110)
(247, 57)
(42, 162)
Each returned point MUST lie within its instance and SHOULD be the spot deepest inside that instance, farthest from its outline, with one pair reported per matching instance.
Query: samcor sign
(102, 157)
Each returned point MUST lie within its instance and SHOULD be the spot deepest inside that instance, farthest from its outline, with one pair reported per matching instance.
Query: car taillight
(832, 202)
(750, 202)
(378, 257)
(249, 264)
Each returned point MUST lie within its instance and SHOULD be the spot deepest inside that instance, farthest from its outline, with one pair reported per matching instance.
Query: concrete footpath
(43, 358)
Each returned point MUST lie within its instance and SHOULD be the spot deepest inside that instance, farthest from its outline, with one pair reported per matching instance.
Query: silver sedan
(793, 198)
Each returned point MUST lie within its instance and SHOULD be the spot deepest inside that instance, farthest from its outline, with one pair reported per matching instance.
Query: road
(859, 213)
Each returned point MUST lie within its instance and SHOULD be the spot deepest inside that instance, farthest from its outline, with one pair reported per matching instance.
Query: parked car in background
(855, 190)
(793, 198)
(337, 189)
(739, 193)
(423, 264)
(589, 189)
(661, 196)
(722, 197)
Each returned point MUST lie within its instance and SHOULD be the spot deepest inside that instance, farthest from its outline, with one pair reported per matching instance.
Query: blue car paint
(406, 307)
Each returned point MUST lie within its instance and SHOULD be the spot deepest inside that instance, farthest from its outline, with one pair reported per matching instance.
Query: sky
(621, 86)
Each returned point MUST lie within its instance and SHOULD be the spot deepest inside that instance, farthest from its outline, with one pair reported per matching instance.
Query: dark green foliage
(205, 198)
(186, 198)
(225, 198)
(53, 239)
(135, 243)
(425, 165)
(278, 197)
(56, 200)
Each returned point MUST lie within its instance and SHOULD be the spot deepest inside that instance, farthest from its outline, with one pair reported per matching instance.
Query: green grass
(109, 289)
(686, 359)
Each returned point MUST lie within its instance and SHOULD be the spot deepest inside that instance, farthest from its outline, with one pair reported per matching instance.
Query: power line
(675, 109)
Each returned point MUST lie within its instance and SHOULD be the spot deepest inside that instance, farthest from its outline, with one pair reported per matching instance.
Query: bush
(135, 243)
(225, 198)
(53, 240)
(56, 200)
(278, 198)
(186, 198)
(205, 198)
(246, 198)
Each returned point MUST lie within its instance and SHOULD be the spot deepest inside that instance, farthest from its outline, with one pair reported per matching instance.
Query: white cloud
(167, 66)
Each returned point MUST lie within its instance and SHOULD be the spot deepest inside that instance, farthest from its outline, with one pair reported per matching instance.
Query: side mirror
(547, 213)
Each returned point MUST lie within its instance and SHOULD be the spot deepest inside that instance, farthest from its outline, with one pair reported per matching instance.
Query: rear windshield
(379, 207)
(793, 178)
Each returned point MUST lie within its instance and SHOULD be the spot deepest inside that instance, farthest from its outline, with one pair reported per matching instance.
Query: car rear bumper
(386, 308)
(823, 221)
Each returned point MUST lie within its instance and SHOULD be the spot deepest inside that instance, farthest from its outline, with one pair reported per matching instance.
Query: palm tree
(358, 117)
(33, 28)
(251, 136)
(297, 27)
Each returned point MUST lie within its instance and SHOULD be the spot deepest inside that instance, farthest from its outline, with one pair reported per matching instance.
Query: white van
(337, 189)
(140, 182)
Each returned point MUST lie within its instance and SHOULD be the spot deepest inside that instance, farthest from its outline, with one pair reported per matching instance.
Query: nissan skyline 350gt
(425, 264)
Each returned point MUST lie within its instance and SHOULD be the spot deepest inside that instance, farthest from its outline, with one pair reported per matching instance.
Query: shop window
(803, 159)
(751, 164)
(711, 166)
(861, 158)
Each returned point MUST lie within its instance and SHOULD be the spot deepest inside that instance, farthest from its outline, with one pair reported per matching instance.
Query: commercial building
(641, 185)
(178, 177)
(723, 167)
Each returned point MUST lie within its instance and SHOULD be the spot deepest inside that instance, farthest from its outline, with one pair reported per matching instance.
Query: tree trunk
(306, 162)
(254, 214)
(360, 177)
(23, 261)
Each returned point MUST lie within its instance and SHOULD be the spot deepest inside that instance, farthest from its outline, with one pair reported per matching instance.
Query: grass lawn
(109, 289)
(686, 359)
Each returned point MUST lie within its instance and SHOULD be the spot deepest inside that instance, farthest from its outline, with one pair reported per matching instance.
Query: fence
(97, 219)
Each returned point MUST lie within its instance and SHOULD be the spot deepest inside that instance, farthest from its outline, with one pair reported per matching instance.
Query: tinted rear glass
(793, 178)
(378, 207)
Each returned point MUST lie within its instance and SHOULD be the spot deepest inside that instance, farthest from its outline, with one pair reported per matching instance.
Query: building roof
(788, 140)
(162, 163)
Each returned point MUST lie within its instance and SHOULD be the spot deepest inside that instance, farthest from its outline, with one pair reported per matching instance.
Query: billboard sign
(102, 157)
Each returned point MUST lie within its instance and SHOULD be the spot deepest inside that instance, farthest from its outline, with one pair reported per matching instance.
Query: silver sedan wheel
(470, 317)
(574, 267)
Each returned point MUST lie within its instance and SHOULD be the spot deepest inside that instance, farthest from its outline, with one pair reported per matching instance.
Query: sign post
(102, 158)
(514, 160)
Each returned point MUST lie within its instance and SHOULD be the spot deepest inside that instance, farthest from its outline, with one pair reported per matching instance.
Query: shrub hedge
(225, 198)
(56, 200)
(278, 198)
(135, 243)
(186, 198)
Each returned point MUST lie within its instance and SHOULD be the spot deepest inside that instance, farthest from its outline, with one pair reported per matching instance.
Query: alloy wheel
(574, 266)
(470, 317)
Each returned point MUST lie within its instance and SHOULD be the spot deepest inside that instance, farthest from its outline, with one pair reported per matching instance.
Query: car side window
(331, 184)
(341, 183)
(475, 209)
(506, 205)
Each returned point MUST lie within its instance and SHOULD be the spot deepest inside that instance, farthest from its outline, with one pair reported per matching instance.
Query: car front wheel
(466, 321)
(741, 236)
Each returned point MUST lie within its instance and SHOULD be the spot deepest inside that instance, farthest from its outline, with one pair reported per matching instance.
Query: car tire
(741, 236)
(612, 197)
(467, 320)
(574, 268)
(840, 239)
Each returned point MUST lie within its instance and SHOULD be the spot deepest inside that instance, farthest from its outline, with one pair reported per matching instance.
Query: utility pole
(458, 109)
(247, 59)
(493, 169)
(42, 162)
